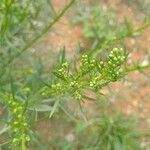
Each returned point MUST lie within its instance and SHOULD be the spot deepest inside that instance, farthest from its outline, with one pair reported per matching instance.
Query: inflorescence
(18, 123)
(92, 74)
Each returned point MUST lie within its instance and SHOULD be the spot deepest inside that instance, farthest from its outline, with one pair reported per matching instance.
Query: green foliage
(13, 22)
(20, 21)
(97, 21)
(92, 74)
(18, 120)
(115, 133)
(27, 91)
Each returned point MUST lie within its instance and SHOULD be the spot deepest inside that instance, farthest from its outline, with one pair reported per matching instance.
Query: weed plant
(26, 91)
(97, 20)
(112, 132)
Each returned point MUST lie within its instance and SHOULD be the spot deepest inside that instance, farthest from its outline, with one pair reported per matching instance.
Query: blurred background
(119, 119)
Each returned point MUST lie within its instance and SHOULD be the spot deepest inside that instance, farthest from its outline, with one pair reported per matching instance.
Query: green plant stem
(45, 30)
(35, 39)
(107, 44)
(23, 146)
(144, 132)
(137, 67)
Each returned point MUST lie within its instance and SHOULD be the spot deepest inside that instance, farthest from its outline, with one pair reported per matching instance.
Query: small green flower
(92, 73)
(77, 95)
(27, 89)
(65, 65)
(18, 122)
(73, 84)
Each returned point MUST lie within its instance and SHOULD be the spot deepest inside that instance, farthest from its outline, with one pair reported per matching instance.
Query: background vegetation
(74, 75)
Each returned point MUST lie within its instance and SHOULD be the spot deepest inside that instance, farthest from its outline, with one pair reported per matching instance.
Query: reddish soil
(66, 34)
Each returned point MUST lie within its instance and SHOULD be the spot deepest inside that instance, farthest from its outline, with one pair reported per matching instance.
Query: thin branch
(45, 30)
(137, 67)
(108, 43)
